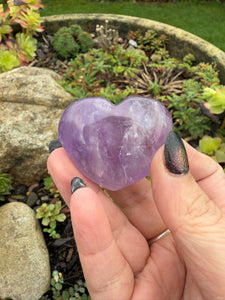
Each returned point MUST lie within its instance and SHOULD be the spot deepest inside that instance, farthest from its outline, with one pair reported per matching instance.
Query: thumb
(197, 224)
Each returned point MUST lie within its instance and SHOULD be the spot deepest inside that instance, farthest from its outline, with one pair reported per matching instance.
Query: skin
(117, 262)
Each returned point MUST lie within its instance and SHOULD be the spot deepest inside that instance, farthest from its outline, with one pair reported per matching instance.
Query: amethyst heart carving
(113, 145)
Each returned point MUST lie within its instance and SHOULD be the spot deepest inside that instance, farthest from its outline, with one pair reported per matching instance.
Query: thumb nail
(175, 154)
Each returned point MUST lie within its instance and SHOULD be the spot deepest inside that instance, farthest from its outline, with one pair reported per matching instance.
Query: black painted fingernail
(54, 145)
(175, 154)
(77, 183)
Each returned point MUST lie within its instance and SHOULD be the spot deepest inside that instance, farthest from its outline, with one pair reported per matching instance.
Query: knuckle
(202, 212)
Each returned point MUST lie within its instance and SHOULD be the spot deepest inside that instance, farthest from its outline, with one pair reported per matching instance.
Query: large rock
(31, 105)
(24, 259)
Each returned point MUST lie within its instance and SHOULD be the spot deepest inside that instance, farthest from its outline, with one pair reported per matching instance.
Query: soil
(47, 57)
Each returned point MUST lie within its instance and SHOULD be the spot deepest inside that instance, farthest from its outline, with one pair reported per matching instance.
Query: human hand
(117, 262)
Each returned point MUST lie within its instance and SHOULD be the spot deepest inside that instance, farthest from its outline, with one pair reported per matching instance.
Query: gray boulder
(32, 103)
(24, 259)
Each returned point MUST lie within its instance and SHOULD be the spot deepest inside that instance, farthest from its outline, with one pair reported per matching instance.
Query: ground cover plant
(115, 67)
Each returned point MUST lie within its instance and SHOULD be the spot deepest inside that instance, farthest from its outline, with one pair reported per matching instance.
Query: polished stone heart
(114, 145)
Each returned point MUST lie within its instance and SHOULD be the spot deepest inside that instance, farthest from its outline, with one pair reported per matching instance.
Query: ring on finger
(158, 237)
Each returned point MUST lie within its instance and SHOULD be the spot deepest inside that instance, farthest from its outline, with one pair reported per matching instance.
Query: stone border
(181, 42)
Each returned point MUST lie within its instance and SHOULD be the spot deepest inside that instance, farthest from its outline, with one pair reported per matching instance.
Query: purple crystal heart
(114, 145)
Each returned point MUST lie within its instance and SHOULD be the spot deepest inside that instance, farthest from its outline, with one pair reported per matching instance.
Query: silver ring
(158, 237)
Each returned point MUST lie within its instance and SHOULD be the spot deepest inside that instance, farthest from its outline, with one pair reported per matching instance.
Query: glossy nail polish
(54, 145)
(175, 154)
(77, 183)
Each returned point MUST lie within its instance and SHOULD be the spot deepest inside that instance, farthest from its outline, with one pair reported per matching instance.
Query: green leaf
(45, 221)
(51, 207)
(28, 45)
(58, 286)
(8, 60)
(220, 156)
(52, 224)
(209, 145)
(222, 147)
(216, 99)
(65, 295)
(61, 217)
(48, 182)
(58, 205)
(71, 291)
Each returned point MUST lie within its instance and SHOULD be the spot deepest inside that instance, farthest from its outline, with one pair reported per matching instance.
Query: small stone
(114, 145)
(133, 43)
(45, 198)
(24, 260)
(32, 199)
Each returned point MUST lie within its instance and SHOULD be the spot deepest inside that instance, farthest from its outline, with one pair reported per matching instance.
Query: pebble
(32, 199)
(45, 198)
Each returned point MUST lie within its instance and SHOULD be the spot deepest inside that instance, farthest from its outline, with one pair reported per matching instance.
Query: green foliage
(19, 49)
(116, 72)
(96, 73)
(57, 284)
(152, 44)
(50, 214)
(184, 107)
(49, 186)
(215, 99)
(69, 41)
(48, 181)
(187, 115)
(26, 14)
(27, 44)
(206, 74)
(213, 147)
(5, 185)
(77, 292)
(189, 59)
(8, 59)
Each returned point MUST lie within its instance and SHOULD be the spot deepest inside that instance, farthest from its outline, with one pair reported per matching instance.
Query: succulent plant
(19, 49)
(50, 214)
(69, 41)
(64, 44)
(8, 59)
(213, 147)
(215, 99)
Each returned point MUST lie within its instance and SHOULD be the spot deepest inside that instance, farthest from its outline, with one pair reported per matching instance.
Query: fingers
(135, 200)
(63, 171)
(137, 203)
(196, 222)
(107, 273)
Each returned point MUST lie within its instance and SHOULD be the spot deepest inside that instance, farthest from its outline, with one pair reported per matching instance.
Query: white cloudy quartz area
(114, 145)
